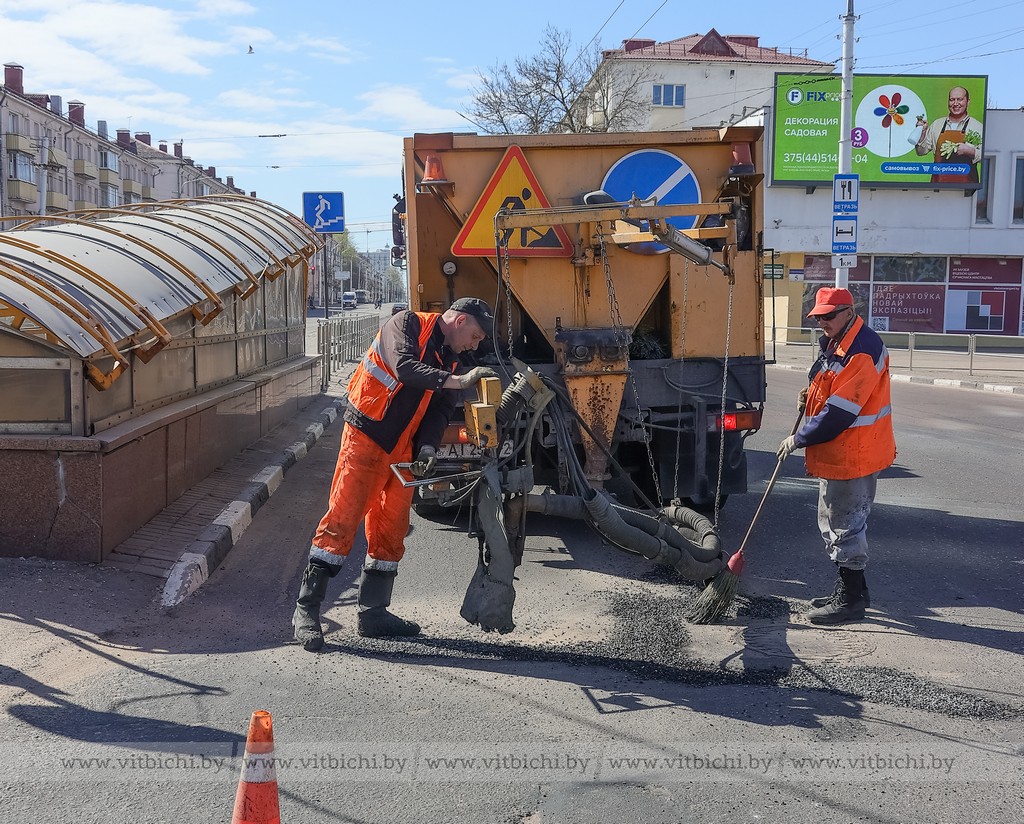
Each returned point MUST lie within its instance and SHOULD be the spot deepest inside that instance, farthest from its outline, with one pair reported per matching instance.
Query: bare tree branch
(553, 91)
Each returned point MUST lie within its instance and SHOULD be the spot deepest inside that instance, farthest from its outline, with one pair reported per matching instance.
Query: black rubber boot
(847, 605)
(306, 618)
(837, 590)
(374, 598)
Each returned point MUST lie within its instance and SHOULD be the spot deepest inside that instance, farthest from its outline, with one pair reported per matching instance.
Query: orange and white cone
(256, 800)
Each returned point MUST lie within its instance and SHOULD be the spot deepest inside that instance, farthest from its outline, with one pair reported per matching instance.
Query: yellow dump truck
(625, 267)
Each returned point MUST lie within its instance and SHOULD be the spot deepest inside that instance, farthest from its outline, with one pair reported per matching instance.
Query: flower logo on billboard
(891, 111)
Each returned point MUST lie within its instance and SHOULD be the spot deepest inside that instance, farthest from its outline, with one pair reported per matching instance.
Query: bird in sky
(250, 50)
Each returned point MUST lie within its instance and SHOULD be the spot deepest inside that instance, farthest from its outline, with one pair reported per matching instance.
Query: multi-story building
(51, 162)
(707, 79)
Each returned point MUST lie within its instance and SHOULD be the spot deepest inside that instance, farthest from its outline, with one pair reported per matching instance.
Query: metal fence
(343, 339)
(932, 350)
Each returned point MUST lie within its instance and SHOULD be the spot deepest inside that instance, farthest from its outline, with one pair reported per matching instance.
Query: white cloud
(405, 108)
(262, 102)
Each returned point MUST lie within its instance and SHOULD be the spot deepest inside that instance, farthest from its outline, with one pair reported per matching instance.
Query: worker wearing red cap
(847, 432)
(395, 410)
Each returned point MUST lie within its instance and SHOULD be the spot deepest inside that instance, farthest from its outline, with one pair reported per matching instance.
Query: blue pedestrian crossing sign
(324, 211)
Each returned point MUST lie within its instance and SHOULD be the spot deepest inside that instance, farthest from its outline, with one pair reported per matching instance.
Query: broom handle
(771, 483)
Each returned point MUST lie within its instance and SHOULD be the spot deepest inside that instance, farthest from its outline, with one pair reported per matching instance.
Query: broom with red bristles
(718, 595)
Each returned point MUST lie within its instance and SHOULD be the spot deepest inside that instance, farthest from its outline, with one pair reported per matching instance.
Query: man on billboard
(955, 139)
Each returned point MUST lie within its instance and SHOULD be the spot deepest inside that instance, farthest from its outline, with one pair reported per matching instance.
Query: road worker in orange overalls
(847, 432)
(394, 411)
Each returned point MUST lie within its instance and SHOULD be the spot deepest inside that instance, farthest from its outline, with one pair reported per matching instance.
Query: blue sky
(346, 81)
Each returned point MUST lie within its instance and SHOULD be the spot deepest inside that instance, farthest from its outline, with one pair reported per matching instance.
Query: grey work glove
(426, 460)
(787, 447)
(474, 376)
(801, 400)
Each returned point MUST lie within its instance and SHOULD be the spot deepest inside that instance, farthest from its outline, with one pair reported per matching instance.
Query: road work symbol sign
(512, 186)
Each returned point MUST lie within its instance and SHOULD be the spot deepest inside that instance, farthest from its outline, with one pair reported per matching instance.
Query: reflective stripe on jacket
(373, 384)
(850, 383)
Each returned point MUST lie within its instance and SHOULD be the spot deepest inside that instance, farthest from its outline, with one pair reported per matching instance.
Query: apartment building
(50, 161)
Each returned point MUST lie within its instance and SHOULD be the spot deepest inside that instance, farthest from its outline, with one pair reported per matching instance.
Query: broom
(721, 590)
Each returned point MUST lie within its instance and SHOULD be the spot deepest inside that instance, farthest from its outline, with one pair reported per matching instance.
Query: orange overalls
(364, 488)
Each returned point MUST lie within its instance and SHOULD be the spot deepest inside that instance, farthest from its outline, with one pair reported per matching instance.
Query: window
(667, 95)
(983, 197)
(1018, 191)
(110, 196)
(108, 160)
(21, 166)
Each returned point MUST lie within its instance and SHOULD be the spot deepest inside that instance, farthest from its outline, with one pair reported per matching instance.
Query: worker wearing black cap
(395, 409)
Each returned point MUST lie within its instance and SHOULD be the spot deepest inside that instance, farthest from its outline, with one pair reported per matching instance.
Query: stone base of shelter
(75, 498)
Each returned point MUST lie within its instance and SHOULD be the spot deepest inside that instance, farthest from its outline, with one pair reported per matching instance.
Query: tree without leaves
(552, 92)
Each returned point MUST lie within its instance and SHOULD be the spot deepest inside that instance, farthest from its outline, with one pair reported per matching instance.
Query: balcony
(19, 143)
(148, 193)
(110, 178)
(57, 201)
(84, 204)
(130, 187)
(58, 158)
(83, 168)
(20, 190)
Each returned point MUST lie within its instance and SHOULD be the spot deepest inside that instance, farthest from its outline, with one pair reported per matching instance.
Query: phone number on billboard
(810, 157)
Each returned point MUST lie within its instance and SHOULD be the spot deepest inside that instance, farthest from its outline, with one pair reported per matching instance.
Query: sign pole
(846, 113)
(327, 300)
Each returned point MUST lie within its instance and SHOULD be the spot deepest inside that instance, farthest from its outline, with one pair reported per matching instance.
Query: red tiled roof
(710, 47)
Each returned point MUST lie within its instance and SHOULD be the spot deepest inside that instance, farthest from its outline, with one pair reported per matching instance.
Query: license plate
(468, 450)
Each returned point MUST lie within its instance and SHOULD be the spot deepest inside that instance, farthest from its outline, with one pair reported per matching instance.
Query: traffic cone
(256, 800)
(433, 170)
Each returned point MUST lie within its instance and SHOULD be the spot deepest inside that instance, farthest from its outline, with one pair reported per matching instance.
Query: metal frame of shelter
(95, 293)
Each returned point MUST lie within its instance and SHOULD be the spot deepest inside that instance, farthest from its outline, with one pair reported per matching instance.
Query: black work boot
(374, 598)
(837, 592)
(306, 618)
(847, 605)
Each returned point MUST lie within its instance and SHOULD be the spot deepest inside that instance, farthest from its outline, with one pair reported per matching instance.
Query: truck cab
(348, 300)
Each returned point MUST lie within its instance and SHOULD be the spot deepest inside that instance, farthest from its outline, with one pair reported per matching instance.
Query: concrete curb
(947, 382)
(212, 545)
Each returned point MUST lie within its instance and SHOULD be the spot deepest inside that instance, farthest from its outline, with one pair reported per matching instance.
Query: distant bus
(362, 296)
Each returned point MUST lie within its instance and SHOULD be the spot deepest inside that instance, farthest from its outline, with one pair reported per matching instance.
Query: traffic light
(398, 257)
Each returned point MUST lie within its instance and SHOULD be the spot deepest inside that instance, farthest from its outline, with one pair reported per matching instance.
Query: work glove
(426, 460)
(474, 376)
(801, 400)
(787, 447)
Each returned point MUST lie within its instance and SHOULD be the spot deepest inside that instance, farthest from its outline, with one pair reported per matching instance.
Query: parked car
(348, 300)
(398, 307)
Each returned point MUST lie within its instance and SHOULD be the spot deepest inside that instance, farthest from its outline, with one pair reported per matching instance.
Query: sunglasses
(833, 314)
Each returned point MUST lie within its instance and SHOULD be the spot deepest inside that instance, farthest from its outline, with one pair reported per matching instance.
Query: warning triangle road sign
(512, 186)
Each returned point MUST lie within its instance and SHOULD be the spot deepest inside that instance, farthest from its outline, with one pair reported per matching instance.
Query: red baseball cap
(829, 299)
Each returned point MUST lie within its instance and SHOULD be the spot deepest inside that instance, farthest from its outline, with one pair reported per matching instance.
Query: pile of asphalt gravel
(650, 640)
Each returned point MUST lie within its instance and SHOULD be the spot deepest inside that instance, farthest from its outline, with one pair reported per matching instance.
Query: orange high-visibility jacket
(384, 405)
(848, 425)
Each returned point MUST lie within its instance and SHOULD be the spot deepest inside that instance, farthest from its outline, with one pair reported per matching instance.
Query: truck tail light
(735, 421)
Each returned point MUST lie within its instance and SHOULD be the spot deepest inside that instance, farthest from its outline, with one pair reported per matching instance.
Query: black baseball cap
(479, 310)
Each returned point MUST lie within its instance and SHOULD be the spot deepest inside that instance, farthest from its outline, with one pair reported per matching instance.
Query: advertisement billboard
(908, 131)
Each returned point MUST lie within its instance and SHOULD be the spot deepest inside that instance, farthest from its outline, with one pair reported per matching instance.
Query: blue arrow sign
(654, 173)
(324, 211)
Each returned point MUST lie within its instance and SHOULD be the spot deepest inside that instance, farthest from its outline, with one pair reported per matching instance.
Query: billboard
(908, 131)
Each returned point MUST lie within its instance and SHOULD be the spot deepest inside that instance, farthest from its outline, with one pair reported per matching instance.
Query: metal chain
(725, 384)
(506, 276)
(622, 338)
(679, 410)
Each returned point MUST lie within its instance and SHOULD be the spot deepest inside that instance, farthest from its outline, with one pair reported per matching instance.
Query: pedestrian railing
(933, 350)
(343, 339)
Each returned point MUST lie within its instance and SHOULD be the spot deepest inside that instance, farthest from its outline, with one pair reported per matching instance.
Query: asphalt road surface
(603, 705)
